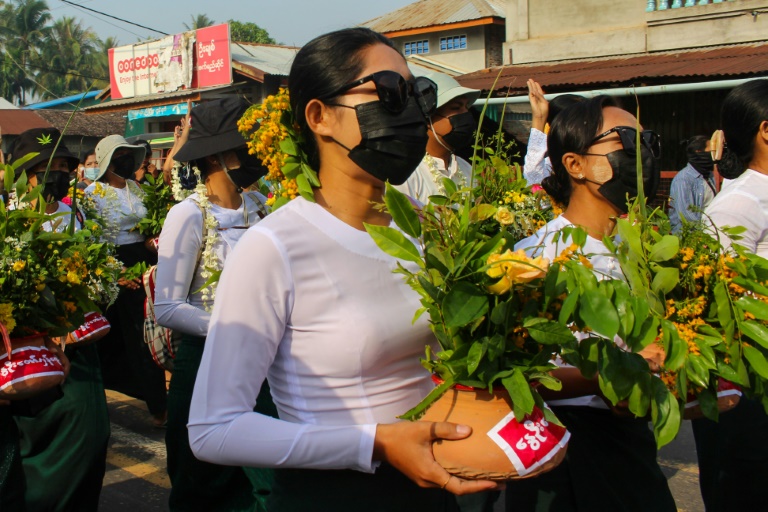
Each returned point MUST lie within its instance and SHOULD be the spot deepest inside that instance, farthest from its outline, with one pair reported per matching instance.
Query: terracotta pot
(27, 367)
(499, 447)
(728, 396)
(96, 326)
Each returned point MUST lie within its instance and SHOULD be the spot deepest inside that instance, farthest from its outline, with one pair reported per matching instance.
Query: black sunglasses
(628, 137)
(394, 90)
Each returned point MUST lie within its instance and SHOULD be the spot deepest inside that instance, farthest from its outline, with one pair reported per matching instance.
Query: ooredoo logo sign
(138, 63)
(199, 58)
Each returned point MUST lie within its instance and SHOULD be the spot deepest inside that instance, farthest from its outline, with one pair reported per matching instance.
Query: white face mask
(91, 173)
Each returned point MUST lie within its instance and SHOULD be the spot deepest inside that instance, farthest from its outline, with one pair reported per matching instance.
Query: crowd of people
(293, 366)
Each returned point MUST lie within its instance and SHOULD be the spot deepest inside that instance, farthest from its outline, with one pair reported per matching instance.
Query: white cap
(448, 88)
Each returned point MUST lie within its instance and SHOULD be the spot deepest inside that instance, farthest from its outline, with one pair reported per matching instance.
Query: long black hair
(572, 131)
(323, 66)
(744, 109)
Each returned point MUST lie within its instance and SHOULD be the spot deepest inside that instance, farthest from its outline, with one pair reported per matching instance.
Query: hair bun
(730, 166)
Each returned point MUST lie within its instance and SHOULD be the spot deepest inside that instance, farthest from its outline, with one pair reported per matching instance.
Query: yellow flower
(6, 316)
(19, 265)
(514, 268)
(72, 277)
(504, 216)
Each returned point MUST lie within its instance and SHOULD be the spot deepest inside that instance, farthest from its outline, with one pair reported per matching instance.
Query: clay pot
(499, 447)
(27, 368)
(728, 396)
(95, 327)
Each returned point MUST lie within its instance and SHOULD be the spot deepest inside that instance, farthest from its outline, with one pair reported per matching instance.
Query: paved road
(136, 480)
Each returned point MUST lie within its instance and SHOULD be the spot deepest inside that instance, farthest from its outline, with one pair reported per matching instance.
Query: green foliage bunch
(49, 279)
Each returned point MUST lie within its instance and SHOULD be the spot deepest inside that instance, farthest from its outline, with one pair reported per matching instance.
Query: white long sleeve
(311, 303)
(536, 165)
(179, 275)
(743, 202)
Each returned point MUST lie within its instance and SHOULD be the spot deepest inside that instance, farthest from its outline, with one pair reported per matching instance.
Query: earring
(580, 176)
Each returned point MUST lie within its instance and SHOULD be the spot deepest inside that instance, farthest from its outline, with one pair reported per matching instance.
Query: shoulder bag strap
(259, 204)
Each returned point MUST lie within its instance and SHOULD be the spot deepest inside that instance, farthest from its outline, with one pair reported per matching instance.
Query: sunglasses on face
(628, 137)
(393, 91)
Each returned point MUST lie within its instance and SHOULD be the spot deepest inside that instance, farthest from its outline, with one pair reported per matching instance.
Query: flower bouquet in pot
(49, 280)
(502, 318)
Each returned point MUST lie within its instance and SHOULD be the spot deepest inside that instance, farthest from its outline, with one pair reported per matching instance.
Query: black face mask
(250, 171)
(392, 144)
(623, 184)
(55, 189)
(123, 166)
(462, 132)
(702, 162)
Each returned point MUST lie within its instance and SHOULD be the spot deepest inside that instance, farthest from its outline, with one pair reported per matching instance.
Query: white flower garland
(209, 261)
(437, 176)
(179, 194)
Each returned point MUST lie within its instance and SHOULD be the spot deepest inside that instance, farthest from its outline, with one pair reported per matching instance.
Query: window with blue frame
(416, 47)
(448, 44)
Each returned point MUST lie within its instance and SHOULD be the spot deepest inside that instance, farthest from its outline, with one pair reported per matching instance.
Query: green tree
(69, 60)
(199, 21)
(23, 29)
(247, 32)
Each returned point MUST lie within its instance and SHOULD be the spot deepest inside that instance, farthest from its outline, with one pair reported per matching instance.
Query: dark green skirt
(198, 485)
(610, 465)
(387, 490)
(64, 447)
(11, 471)
(733, 458)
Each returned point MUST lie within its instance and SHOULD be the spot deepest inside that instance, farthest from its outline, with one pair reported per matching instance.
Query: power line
(109, 23)
(114, 17)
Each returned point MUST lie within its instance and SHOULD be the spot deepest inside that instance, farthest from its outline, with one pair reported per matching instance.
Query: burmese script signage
(198, 58)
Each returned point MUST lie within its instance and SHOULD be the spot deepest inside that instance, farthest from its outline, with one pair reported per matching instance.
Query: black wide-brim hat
(40, 141)
(213, 129)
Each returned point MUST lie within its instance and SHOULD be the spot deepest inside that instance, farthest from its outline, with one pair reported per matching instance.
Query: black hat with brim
(213, 129)
(41, 141)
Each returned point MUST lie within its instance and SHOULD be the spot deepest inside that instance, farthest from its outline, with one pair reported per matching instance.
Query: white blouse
(178, 268)
(63, 215)
(743, 202)
(311, 303)
(536, 165)
(121, 207)
(604, 265)
(422, 183)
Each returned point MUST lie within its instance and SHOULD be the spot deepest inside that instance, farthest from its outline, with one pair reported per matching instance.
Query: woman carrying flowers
(63, 447)
(127, 364)
(611, 459)
(309, 301)
(196, 238)
(733, 453)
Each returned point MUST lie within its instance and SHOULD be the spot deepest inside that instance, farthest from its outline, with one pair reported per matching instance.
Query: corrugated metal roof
(266, 58)
(648, 69)
(164, 98)
(17, 121)
(428, 13)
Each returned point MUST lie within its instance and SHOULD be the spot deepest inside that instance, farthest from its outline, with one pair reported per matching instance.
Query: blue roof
(61, 101)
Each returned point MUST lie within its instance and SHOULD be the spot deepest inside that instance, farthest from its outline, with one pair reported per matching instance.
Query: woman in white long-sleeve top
(310, 302)
(198, 235)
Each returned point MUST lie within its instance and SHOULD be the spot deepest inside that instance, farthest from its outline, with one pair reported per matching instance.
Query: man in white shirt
(451, 128)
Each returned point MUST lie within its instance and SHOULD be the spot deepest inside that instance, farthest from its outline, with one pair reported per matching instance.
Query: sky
(291, 22)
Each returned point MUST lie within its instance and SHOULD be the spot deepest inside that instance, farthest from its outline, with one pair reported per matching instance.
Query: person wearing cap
(126, 363)
(451, 128)
(64, 446)
(50, 166)
(211, 219)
